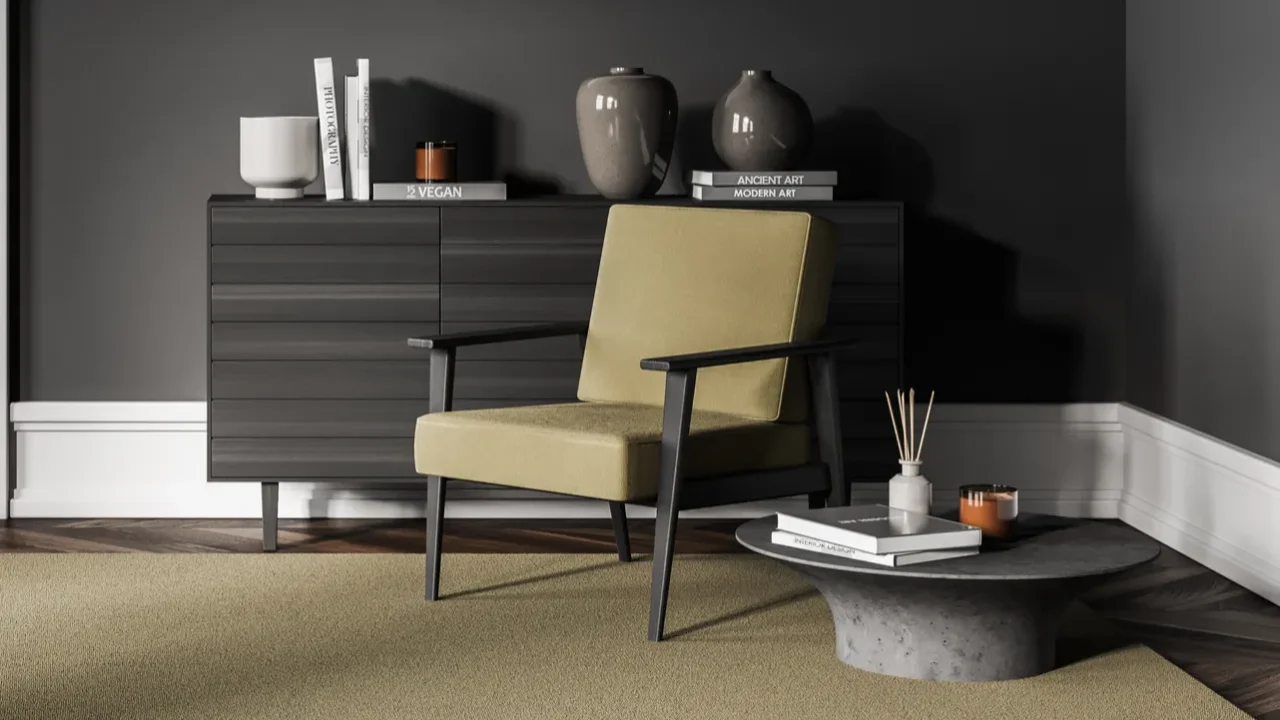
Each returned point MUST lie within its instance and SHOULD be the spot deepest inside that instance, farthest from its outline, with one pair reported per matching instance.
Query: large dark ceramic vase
(761, 125)
(627, 127)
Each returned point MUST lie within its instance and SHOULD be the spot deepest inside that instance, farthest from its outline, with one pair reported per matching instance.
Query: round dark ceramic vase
(627, 128)
(761, 125)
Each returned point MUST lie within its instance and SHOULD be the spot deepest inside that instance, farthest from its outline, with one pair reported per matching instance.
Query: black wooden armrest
(487, 337)
(733, 356)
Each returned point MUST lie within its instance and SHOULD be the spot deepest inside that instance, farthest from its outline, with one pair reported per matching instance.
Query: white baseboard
(148, 460)
(1210, 500)
(1214, 502)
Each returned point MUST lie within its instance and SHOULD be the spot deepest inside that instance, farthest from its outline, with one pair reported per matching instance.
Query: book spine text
(826, 548)
(364, 120)
(439, 191)
(330, 132)
(738, 179)
(762, 193)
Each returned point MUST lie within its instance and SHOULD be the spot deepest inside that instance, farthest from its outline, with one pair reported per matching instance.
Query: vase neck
(910, 468)
(626, 71)
(757, 74)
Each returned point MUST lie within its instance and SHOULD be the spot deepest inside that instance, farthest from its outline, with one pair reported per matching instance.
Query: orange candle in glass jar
(993, 508)
(436, 162)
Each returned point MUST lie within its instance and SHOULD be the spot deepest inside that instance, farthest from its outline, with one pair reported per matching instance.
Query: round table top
(1045, 547)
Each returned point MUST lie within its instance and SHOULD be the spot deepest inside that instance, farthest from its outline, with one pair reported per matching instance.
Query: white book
(351, 102)
(363, 118)
(782, 537)
(880, 529)
(729, 178)
(330, 129)
(432, 192)
(763, 194)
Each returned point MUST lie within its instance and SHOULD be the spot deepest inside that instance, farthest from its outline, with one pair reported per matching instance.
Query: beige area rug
(519, 636)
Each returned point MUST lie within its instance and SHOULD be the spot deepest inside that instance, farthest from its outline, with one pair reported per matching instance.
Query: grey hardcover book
(729, 178)
(782, 537)
(761, 194)
(880, 529)
(433, 192)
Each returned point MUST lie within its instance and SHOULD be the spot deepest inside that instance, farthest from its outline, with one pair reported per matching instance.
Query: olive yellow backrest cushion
(679, 280)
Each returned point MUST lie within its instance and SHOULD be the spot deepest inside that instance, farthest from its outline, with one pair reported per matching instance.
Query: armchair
(721, 299)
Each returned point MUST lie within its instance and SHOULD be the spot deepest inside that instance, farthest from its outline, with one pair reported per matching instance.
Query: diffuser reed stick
(911, 406)
(902, 415)
(925, 428)
(901, 451)
(904, 424)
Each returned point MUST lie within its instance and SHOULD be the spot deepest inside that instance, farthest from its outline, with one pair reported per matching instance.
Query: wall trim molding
(1208, 499)
(148, 459)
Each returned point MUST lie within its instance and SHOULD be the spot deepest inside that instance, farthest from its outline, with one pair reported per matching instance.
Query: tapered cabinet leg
(818, 500)
(435, 533)
(677, 409)
(618, 511)
(270, 515)
(826, 424)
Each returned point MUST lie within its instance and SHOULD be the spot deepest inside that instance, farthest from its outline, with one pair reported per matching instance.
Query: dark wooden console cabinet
(310, 303)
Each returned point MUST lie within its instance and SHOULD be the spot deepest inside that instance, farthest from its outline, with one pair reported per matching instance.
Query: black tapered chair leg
(677, 410)
(618, 511)
(826, 421)
(664, 545)
(818, 499)
(435, 532)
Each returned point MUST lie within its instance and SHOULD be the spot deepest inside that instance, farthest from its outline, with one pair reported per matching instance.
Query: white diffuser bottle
(911, 491)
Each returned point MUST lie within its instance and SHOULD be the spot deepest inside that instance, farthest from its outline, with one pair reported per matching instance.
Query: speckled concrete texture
(993, 616)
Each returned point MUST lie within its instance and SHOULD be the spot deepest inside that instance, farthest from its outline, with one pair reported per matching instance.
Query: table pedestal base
(931, 629)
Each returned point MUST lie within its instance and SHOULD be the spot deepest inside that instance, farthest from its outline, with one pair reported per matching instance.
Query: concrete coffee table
(991, 616)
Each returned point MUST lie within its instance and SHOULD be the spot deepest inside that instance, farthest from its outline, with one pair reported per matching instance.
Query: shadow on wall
(19, 248)
(410, 111)
(964, 334)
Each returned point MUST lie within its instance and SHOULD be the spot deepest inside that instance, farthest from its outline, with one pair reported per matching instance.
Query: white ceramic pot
(909, 490)
(279, 156)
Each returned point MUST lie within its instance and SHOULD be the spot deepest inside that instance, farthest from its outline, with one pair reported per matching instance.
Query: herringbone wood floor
(1217, 631)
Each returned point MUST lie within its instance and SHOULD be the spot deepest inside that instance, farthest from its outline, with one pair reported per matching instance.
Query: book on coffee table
(782, 537)
(880, 529)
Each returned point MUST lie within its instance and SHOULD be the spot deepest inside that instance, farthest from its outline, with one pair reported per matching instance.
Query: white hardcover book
(880, 529)
(330, 129)
(363, 118)
(753, 193)
(431, 192)
(351, 143)
(730, 178)
(782, 537)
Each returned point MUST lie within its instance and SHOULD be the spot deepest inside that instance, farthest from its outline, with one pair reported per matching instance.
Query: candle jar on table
(992, 508)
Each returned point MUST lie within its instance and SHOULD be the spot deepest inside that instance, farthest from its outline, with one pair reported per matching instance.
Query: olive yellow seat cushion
(608, 451)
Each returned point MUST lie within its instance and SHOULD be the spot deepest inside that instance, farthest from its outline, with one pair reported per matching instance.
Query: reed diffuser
(909, 489)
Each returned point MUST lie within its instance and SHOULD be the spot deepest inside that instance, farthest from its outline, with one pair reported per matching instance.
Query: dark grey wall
(1204, 170)
(1000, 121)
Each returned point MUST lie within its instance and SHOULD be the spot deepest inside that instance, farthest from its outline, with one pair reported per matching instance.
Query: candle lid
(979, 491)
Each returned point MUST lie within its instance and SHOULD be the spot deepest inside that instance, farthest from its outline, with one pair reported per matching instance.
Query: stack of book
(790, 186)
(877, 534)
(345, 151)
